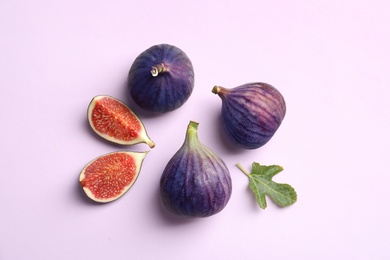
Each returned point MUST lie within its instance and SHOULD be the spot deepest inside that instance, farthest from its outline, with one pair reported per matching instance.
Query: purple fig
(251, 113)
(195, 182)
(161, 79)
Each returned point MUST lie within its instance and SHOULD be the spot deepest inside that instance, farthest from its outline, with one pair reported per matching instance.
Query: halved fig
(114, 121)
(110, 176)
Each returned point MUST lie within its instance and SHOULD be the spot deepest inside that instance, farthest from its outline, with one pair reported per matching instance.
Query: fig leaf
(261, 183)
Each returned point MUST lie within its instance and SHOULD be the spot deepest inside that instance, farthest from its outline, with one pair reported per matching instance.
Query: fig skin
(161, 79)
(251, 113)
(196, 182)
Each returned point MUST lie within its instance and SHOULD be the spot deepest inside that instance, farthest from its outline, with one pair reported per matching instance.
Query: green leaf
(261, 183)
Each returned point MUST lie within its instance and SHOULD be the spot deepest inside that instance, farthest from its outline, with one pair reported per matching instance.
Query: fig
(196, 182)
(251, 113)
(110, 176)
(114, 121)
(161, 79)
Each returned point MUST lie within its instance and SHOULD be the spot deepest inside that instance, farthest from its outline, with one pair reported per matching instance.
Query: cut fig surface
(109, 176)
(114, 121)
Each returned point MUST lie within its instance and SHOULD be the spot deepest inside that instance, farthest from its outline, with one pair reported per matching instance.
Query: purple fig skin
(161, 79)
(251, 113)
(196, 182)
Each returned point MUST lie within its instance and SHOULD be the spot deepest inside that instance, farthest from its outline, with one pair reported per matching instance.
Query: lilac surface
(329, 59)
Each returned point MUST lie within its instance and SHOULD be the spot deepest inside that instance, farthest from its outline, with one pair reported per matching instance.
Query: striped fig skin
(251, 113)
(161, 79)
(196, 182)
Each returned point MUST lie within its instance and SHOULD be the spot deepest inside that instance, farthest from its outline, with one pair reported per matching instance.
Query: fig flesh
(110, 176)
(161, 78)
(195, 182)
(251, 113)
(114, 121)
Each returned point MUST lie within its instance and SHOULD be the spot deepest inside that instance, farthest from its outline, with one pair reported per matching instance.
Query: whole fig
(195, 182)
(161, 78)
(251, 113)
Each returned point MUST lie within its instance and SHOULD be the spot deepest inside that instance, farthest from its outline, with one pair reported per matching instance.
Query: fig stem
(150, 143)
(242, 169)
(158, 68)
(192, 133)
(220, 91)
(216, 89)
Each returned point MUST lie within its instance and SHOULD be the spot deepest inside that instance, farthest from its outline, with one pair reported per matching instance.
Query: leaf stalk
(239, 166)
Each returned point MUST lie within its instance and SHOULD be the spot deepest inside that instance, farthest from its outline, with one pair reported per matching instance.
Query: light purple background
(331, 61)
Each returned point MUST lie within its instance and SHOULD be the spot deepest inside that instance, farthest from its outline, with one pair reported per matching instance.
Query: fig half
(195, 182)
(251, 113)
(110, 176)
(161, 79)
(114, 121)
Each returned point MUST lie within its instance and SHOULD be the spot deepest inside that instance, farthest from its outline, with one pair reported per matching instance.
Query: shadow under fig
(82, 197)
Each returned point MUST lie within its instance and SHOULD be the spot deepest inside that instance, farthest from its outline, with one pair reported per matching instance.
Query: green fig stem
(242, 169)
(158, 68)
(192, 133)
